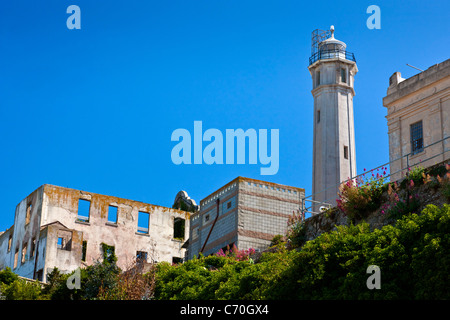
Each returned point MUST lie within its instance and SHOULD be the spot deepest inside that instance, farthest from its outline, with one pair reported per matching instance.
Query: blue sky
(94, 109)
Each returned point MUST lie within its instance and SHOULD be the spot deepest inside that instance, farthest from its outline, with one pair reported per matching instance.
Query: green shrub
(413, 257)
(276, 240)
(7, 276)
(21, 290)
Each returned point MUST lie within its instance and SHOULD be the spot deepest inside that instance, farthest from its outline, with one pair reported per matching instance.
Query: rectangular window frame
(28, 213)
(113, 217)
(343, 75)
(83, 218)
(142, 229)
(84, 251)
(416, 135)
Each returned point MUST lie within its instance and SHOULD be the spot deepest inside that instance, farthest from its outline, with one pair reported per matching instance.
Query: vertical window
(84, 207)
(108, 252)
(143, 222)
(178, 228)
(318, 78)
(83, 251)
(318, 116)
(28, 214)
(33, 247)
(343, 75)
(60, 243)
(207, 218)
(40, 274)
(229, 205)
(9, 242)
(112, 214)
(345, 152)
(416, 137)
(16, 257)
(24, 253)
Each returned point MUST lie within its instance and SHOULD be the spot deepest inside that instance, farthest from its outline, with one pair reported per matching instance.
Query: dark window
(343, 75)
(318, 78)
(83, 210)
(141, 256)
(229, 205)
(345, 152)
(83, 251)
(176, 260)
(416, 137)
(33, 247)
(318, 116)
(178, 228)
(40, 274)
(207, 218)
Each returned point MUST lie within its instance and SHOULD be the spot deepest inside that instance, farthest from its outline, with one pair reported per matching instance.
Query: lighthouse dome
(332, 44)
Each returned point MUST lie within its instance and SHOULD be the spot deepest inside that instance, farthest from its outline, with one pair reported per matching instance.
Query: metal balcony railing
(328, 203)
(331, 54)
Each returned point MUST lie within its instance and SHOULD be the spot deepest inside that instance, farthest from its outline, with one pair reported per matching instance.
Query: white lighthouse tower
(332, 70)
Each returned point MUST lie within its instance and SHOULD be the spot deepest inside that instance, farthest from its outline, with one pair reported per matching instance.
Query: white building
(418, 118)
(332, 70)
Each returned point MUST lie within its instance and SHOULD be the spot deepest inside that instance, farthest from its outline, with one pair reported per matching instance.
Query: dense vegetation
(412, 254)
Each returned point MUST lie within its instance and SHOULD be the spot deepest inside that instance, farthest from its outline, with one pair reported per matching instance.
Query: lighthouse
(332, 70)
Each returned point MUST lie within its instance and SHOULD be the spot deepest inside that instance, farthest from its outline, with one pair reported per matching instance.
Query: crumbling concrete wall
(61, 204)
(51, 213)
(18, 244)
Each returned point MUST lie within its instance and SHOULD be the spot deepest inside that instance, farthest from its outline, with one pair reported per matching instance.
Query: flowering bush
(360, 196)
(396, 207)
(239, 255)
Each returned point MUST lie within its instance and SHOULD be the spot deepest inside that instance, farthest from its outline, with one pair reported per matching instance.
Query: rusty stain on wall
(54, 235)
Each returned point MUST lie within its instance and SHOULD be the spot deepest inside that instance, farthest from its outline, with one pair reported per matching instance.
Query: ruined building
(68, 229)
(245, 212)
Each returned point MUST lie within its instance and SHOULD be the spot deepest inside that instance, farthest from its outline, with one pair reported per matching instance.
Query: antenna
(414, 67)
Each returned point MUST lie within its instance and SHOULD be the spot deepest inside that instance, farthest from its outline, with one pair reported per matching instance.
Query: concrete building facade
(418, 116)
(332, 70)
(68, 229)
(250, 213)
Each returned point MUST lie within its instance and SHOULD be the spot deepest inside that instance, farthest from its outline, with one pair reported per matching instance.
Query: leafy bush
(20, 290)
(415, 174)
(296, 233)
(276, 240)
(413, 257)
(7, 276)
(359, 197)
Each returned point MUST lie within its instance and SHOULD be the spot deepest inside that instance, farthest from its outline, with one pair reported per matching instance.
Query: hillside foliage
(412, 254)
